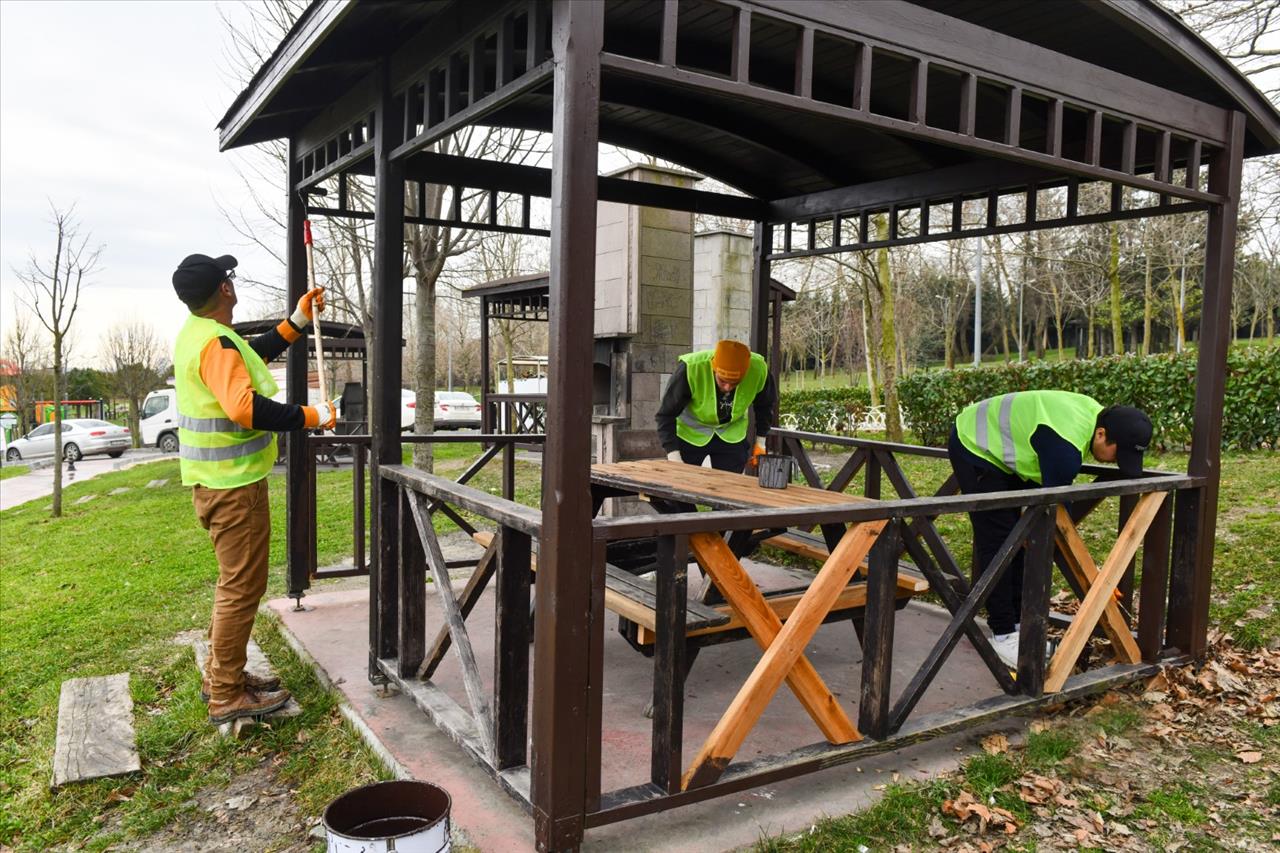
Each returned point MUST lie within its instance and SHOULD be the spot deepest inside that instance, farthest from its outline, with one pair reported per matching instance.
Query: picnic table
(782, 622)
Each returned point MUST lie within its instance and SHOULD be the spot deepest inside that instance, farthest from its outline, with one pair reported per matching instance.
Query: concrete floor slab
(333, 633)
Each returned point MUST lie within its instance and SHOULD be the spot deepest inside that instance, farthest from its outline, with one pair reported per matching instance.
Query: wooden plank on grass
(95, 730)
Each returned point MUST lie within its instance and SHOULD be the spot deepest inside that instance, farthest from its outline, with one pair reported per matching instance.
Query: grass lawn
(7, 471)
(106, 589)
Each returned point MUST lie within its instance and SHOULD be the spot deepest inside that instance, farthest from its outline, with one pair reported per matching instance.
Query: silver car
(80, 437)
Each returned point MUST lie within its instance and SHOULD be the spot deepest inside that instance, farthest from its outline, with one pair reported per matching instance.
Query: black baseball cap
(1130, 429)
(198, 276)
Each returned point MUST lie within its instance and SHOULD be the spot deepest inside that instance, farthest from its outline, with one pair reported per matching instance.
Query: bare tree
(27, 353)
(136, 358)
(53, 295)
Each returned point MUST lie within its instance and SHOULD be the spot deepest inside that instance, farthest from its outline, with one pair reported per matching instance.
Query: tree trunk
(1113, 273)
(59, 384)
(866, 354)
(1146, 309)
(888, 336)
(134, 431)
(1089, 332)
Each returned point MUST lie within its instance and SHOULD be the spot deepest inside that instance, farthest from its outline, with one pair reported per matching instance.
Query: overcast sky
(112, 107)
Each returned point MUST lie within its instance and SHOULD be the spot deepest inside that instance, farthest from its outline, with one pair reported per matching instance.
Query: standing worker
(704, 407)
(1026, 440)
(226, 431)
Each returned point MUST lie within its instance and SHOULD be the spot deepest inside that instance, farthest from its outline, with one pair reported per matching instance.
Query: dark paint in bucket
(389, 810)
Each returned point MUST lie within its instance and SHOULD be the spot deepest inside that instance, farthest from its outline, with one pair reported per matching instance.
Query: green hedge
(818, 410)
(1161, 385)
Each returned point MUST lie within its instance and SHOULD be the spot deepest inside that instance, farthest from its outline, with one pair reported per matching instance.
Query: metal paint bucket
(404, 816)
(774, 470)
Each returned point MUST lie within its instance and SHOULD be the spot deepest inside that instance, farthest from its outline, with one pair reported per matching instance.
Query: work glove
(311, 302)
(324, 416)
(674, 456)
(756, 453)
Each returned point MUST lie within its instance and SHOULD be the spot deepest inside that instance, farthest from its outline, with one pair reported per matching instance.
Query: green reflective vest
(999, 429)
(699, 421)
(215, 451)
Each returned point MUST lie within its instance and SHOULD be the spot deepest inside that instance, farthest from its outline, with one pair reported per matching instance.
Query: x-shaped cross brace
(783, 646)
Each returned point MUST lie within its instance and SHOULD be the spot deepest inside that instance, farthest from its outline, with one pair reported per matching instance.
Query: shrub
(1161, 385)
(827, 409)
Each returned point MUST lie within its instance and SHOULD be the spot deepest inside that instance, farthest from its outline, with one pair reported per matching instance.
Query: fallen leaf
(1249, 757)
(995, 744)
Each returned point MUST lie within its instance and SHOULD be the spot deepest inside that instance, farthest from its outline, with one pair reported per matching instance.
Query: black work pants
(990, 529)
(724, 456)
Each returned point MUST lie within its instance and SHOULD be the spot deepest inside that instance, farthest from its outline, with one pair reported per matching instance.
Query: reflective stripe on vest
(699, 422)
(1006, 442)
(215, 451)
(220, 454)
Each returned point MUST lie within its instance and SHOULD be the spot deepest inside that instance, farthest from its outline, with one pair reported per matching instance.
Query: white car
(80, 437)
(456, 410)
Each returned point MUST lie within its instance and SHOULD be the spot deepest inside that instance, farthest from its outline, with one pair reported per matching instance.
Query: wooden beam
(471, 593)
(1100, 596)
(786, 648)
(471, 680)
(1084, 571)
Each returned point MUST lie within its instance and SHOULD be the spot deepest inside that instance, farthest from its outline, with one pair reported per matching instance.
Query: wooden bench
(635, 598)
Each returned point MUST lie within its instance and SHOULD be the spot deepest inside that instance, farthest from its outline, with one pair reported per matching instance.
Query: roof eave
(312, 27)
(1264, 119)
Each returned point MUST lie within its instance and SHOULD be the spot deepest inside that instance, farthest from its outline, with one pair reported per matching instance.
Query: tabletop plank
(718, 489)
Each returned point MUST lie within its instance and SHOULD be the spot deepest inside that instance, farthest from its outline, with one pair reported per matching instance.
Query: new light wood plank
(1100, 595)
(1080, 562)
(95, 730)
(783, 652)
(764, 625)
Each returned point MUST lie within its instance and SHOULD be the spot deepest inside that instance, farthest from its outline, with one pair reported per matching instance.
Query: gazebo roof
(1132, 55)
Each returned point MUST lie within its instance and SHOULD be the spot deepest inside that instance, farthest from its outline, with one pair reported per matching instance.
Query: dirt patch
(255, 811)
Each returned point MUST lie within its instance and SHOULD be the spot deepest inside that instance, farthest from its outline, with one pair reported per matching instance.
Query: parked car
(80, 437)
(158, 420)
(456, 410)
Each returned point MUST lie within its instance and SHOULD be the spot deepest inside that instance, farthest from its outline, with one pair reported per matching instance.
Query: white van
(158, 420)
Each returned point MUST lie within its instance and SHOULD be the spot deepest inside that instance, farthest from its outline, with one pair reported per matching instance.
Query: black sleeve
(272, 343)
(1060, 461)
(765, 404)
(276, 417)
(674, 399)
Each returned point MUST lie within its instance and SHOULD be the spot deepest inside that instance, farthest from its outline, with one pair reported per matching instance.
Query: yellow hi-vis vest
(999, 429)
(700, 421)
(215, 451)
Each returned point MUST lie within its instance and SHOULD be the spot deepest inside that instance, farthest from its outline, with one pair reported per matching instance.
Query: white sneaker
(1006, 646)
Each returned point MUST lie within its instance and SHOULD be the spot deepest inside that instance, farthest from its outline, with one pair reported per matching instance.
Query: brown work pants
(239, 523)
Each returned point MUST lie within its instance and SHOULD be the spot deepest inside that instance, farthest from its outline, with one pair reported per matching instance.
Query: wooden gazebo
(825, 115)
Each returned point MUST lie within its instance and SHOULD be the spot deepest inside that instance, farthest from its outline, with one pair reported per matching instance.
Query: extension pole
(315, 312)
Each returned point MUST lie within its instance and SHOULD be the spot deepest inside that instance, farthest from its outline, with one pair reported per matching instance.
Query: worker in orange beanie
(704, 408)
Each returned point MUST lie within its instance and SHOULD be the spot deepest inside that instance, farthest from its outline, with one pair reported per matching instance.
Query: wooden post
(1155, 584)
(411, 626)
(1127, 503)
(562, 652)
(486, 419)
(299, 523)
(384, 396)
(1189, 624)
(667, 761)
(1037, 576)
(761, 274)
(511, 652)
(877, 642)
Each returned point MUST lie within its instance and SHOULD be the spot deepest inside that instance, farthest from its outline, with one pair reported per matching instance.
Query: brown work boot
(251, 682)
(250, 703)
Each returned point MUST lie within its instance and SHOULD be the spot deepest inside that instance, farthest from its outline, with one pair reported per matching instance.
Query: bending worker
(704, 407)
(226, 432)
(1026, 440)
